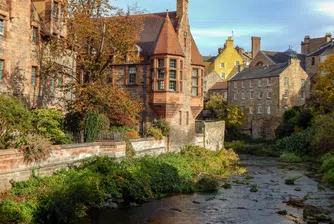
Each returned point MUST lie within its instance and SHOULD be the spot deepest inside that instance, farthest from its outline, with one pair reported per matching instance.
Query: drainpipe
(143, 120)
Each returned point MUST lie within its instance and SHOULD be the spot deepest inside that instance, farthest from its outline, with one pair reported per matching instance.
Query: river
(266, 177)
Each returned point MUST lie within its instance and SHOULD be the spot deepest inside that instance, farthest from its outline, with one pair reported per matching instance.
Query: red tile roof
(167, 41)
(219, 85)
(196, 57)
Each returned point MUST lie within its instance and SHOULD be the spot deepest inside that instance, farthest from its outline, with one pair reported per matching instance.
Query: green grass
(290, 157)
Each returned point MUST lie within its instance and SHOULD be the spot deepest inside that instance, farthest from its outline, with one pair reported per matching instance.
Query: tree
(232, 115)
(112, 101)
(324, 86)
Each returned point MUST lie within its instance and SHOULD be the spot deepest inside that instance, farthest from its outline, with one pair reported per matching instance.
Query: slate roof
(281, 57)
(260, 72)
(219, 85)
(209, 58)
(324, 48)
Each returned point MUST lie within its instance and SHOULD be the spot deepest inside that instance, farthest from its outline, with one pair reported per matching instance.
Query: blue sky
(279, 23)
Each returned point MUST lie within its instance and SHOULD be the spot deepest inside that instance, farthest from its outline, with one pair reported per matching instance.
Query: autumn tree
(232, 115)
(324, 86)
(103, 35)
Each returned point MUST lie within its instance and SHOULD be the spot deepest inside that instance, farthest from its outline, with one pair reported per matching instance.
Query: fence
(101, 137)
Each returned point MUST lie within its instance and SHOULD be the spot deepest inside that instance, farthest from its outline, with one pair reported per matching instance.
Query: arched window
(260, 63)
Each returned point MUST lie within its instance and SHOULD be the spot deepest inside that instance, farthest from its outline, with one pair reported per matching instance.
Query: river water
(235, 205)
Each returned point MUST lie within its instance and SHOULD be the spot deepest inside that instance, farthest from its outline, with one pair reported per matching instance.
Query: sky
(279, 23)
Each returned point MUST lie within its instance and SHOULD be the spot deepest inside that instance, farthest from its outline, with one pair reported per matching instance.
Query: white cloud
(326, 7)
(215, 32)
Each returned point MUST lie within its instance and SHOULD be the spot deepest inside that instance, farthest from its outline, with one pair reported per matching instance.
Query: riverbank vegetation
(101, 182)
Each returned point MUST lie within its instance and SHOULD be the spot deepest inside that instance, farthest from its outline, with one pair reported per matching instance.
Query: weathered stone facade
(20, 52)
(265, 92)
(210, 80)
(311, 44)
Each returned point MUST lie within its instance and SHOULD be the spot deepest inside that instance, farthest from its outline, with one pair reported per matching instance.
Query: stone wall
(214, 133)
(149, 146)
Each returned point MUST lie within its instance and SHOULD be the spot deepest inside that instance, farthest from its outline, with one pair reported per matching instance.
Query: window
(268, 82)
(303, 82)
(286, 108)
(187, 118)
(222, 65)
(286, 81)
(223, 75)
(225, 95)
(286, 94)
(132, 75)
(172, 86)
(161, 85)
(205, 85)
(243, 96)
(242, 84)
(152, 74)
(251, 95)
(302, 95)
(250, 83)
(268, 110)
(260, 95)
(235, 96)
(55, 10)
(269, 95)
(2, 27)
(1, 69)
(52, 82)
(161, 63)
(250, 110)
(313, 60)
(172, 63)
(60, 81)
(152, 86)
(181, 64)
(161, 74)
(34, 35)
(33, 75)
(172, 74)
(180, 117)
(259, 83)
(62, 12)
(237, 63)
(235, 85)
(259, 109)
(194, 90)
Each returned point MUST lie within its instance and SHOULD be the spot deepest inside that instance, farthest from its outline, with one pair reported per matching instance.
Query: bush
(329, 177)
(290, 157)
(35, 148)
(49, 123)
(132, 135)
(328, 163)
(298, 143)
(95, 123)
(207, 184)
(236, 145)
(323, 134)
(155, 132)
(163, 126)
(121, 129)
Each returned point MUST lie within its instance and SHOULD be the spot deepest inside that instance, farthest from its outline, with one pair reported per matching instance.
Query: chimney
(256, 46)
(181, 8)
(230, 42)
(328, 37)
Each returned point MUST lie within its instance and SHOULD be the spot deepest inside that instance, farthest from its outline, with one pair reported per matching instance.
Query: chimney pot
(256, 46)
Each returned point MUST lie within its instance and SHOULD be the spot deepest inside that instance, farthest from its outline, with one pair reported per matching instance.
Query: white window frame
(302, 97)
(235, 96)
(286, 81)
(2, 27)
(243, 95)
(250, 83)
(259, 95)
(251, 95)
(259, 83)
(268, 82)
(259, 109)
(269, 95)
(223, 75)
(222, 65)
(235, 85)
(303, 82)
(268, 109)
(250, 110)
(242, 84)
(286, 94)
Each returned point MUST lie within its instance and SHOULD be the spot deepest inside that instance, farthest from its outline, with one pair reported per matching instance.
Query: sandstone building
(311, 44)
(169, 78)
(266, 92)
(25, 29)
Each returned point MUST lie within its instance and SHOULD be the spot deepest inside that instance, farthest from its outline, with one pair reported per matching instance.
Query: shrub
(95, 123)
(155, 132)
(63, 139)
(35, 148)
(207, 184)
(163, 126)
(329, 177)
(290, 157)
(323, 135)
(298, 143)
(16, 212)
(328, 163)
(132, 135)
(121, 129)
(236, 144)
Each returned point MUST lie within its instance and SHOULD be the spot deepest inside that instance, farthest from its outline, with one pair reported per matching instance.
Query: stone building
(169, 79)
(25, 29)
(311, 44)
(265, 92)
(318, 56)
(219, 88)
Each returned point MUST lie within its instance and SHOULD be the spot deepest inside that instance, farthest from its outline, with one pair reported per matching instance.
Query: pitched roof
(324, 48)
(219, 85)
(281, 57)
(209, 58)
(196, 57)
(167, 41)
(260, 72)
